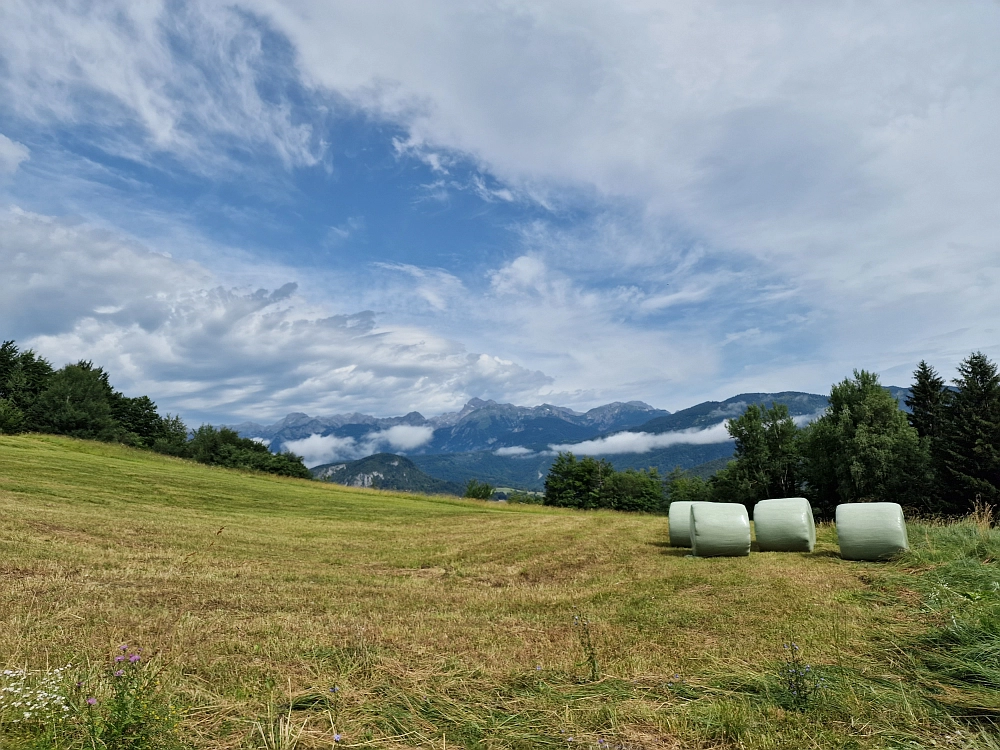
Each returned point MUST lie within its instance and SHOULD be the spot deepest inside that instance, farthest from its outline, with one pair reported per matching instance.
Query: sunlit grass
(441, 620)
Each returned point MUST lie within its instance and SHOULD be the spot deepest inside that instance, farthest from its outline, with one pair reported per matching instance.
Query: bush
(479, 490)
(683, 486)
(594, 483)
(631, 490)
(224, 447)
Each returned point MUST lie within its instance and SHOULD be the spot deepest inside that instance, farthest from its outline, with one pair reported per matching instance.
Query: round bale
(784, 525)
(680, 523)
(871, 531)
(719, 530)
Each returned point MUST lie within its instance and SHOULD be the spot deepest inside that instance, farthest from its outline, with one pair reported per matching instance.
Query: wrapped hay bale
(719, 530)
(784, 525)
(871, 531)
(679, 520)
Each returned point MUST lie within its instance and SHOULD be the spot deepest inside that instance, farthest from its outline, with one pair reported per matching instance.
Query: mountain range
(514, 446)
(480, 425)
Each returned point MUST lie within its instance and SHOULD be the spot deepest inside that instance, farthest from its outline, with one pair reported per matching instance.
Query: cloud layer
(320, 449)
(644, 442)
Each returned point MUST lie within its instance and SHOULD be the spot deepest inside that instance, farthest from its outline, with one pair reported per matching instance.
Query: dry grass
(441, 621)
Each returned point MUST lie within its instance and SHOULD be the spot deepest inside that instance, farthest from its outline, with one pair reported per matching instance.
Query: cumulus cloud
(319, 449)
(167, 329)
(644, 442)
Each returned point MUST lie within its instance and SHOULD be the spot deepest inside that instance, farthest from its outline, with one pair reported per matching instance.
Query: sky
(250, 208)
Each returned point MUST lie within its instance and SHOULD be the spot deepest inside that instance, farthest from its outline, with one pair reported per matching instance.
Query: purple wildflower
(124, 647)
(336, 738)
(119, 658)
(119, 673)
(91, 701)
(133, 658)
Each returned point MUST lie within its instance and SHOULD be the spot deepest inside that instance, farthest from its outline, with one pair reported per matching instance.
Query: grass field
(450, 623)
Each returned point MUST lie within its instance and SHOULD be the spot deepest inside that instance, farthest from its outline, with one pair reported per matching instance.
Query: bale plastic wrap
(784, 525)
(871, 531)
(680, 523)
(720, 530)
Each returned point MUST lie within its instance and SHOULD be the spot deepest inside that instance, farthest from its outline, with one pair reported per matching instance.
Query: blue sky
(258, 207)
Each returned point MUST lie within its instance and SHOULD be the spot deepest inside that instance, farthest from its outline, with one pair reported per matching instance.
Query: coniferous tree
(970, 440)
(23, 377)
(928, 402)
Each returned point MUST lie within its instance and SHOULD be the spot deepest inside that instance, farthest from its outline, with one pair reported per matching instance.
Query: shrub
(479, 490)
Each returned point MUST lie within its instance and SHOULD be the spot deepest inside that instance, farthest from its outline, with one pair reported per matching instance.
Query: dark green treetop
(970, 444)
(928, 401)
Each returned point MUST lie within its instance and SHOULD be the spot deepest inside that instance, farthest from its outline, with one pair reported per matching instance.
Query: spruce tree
(928, 401)
(970, 441)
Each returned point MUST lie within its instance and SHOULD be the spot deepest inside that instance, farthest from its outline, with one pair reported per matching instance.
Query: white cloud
(318, 449)
(152, 77)
(643, 442)
(403, 437)
(513, 450)
(168, 330)
(321, 449)
(12, 154)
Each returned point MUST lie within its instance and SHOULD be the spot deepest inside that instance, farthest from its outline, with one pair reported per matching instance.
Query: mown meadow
(270, 612)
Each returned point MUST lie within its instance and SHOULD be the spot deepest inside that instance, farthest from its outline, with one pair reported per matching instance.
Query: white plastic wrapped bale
(871, 531)
(784, 525)
(679, 519)
(719, 530)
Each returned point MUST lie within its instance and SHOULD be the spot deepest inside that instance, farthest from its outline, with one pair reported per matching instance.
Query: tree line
(78, 400)
(938, 459)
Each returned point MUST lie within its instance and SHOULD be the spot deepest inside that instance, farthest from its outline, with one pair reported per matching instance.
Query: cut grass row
(448, 621)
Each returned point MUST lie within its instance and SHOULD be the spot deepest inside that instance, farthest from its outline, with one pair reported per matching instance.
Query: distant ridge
(385, 471)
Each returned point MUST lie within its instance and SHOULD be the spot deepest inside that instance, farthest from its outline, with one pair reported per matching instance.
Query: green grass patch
(445, 622)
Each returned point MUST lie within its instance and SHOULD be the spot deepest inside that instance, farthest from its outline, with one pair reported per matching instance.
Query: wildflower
(124, 647)
(336, 737)
(133, 658)
(119, 673)
(91, 701)
(119, 658)
(335, 689)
